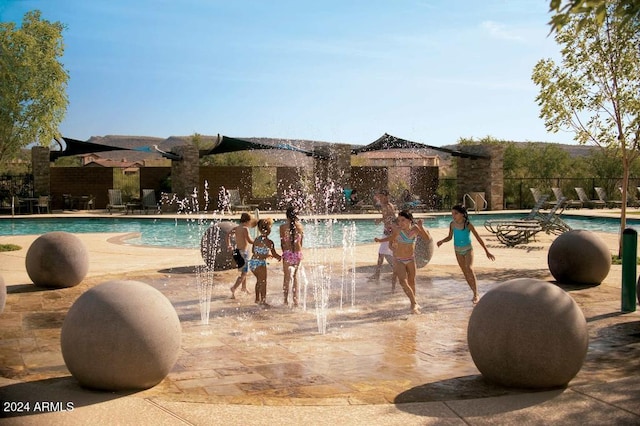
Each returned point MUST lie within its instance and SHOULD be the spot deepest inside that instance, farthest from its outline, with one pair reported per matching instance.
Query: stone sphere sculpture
(120, 335)
(579, 257)
(528, 333)
(57, 259)
(3, 294)
(213, 246)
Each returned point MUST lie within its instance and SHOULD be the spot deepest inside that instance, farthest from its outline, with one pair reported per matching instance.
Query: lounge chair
(587, 202)
(631, 200)
(115, 200)
(149, 201)
(492, 224)
(537, 194)
(512, 233)
(237, 204)
(602, 195)
(570, 204)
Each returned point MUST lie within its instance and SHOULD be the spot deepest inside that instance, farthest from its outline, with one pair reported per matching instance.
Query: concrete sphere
(57, 259)
(213, 246)
(528, 333)
(424, 252)
(3, 294)
(579, 257)
(120, 335)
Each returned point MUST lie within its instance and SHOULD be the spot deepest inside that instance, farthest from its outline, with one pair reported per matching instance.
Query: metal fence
(517, 192)
(518, 195)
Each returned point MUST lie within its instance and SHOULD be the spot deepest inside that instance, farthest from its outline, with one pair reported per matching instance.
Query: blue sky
(330, 70)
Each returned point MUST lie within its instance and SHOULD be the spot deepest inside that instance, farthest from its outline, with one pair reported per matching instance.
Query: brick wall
(79, 181)
(368, 180)
(424, 184)
(229, 177)
(153, 178)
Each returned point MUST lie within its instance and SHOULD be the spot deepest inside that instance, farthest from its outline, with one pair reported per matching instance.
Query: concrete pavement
(376, 363)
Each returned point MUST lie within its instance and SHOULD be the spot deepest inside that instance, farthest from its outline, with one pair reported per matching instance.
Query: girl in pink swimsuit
(291, 235)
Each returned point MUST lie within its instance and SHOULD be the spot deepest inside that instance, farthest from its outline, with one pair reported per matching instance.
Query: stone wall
(482, 174)
(185, 173)
(41, 174)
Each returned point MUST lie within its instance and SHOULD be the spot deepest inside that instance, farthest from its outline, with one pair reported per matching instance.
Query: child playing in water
(403, 241)
(243, 240)
(291, 235)
(263, 247)
(460, 229)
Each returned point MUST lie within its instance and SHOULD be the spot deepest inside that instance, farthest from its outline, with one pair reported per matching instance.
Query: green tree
(585, 10)
(595, 92)
(33, 83)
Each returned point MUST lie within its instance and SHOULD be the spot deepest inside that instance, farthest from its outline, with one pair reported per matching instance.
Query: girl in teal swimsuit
(460, 229)
(263, 247)
(403, 241)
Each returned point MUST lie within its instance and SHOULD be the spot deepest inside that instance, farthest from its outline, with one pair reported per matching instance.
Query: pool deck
(376, 364)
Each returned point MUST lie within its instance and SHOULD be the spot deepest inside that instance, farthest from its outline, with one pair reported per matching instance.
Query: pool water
(186, 233)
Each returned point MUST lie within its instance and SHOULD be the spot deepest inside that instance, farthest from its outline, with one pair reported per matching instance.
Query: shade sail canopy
(222, 144)
(77, 147)
(388, 141)
(226, 144)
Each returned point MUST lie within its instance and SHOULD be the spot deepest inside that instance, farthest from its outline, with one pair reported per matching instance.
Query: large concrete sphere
(120, 335)
(3, 294)
(57, 259)
(528, 333)
(213, 246)
(579, 257)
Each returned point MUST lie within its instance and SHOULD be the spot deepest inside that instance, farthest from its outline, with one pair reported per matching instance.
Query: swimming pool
(186, 233)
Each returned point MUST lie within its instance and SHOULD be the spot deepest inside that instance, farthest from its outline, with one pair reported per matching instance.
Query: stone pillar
(41, 174)
(482, 174)
(185, 173)
(332, 171)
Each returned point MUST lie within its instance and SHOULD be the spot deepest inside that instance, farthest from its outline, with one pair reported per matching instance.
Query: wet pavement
(375, 362)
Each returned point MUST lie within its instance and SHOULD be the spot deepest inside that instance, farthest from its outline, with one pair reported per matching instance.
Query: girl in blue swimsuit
(460, 229)
(263, 247)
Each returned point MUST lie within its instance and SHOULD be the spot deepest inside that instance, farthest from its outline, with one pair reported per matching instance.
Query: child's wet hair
(463, 211)
(264, 225)
(407, 215)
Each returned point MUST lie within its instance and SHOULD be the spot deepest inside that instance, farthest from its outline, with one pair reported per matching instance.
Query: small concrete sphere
(213, 246)
(528, 333)
(424, 252)
(3, 294)
(121, 335)
(579, 257)
(57, 259)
